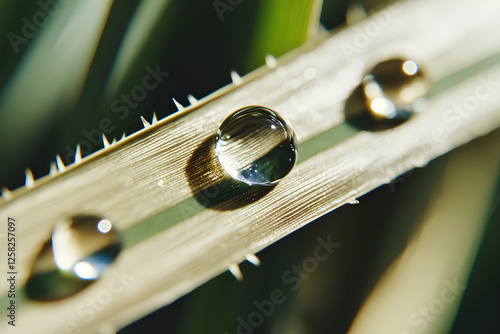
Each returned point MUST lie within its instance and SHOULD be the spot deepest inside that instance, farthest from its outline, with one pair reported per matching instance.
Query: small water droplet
(394, 88)
(85, 245)
(78, 252)
(389, 94)
(256, 145)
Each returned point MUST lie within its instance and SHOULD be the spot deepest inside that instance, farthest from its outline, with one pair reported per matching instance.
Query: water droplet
(256, 145)
(78, 252)
(394, 89)
(388, 95)
(85, 245)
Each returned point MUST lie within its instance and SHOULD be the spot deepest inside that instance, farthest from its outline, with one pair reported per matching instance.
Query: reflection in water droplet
(394, 89)
(410, 67)
(256, 145)
(85, 270)
(87, 240)
(78, 252)
(104, 226)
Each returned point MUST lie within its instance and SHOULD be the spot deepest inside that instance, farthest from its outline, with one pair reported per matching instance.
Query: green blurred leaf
(283, 26)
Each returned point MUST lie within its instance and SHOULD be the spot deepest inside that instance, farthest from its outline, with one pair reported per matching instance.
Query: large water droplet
(78, 252)
(256, 145)
(394, 89)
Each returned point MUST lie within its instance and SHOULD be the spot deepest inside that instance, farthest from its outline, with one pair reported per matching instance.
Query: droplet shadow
(47, 282)
(212, 187)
